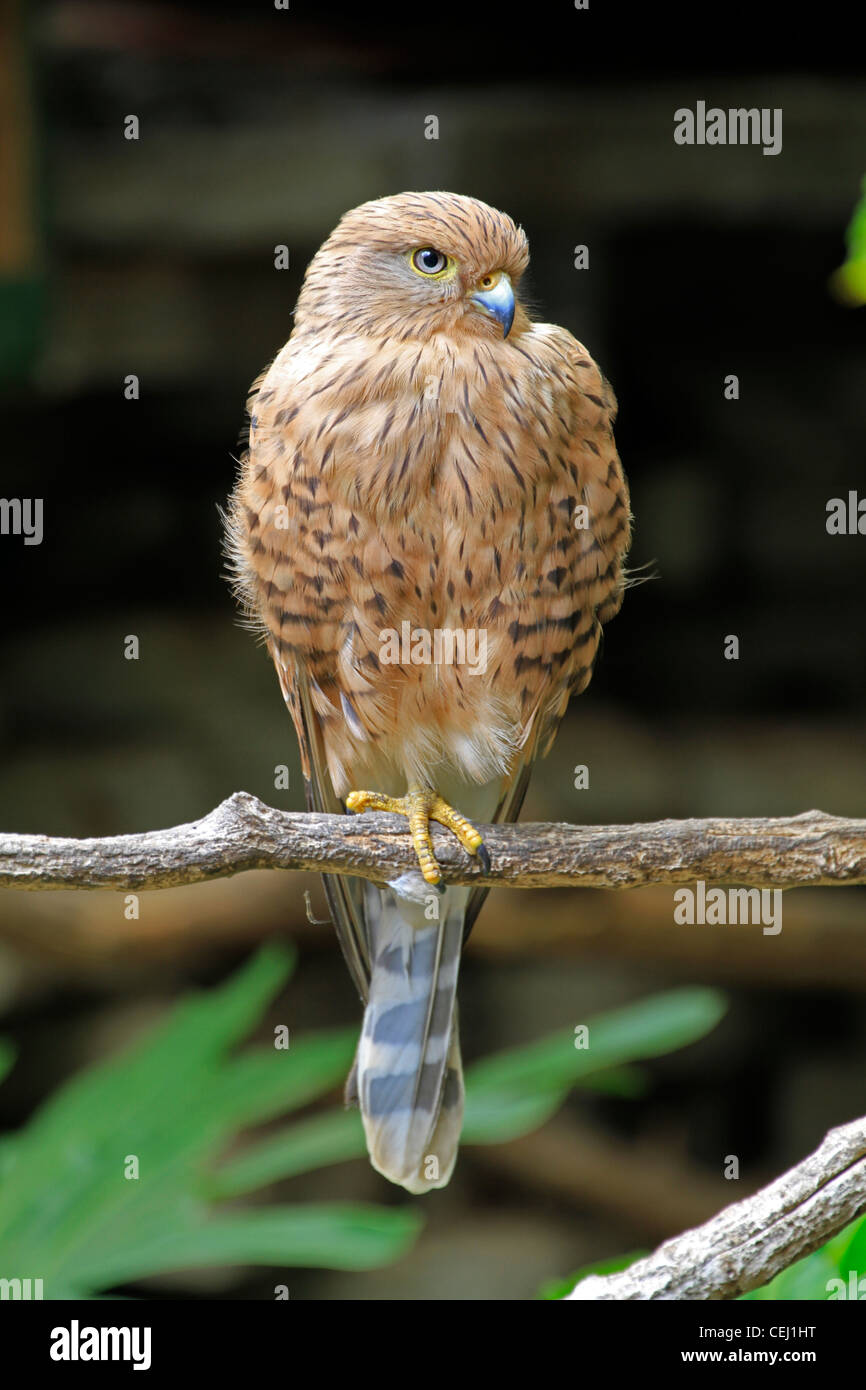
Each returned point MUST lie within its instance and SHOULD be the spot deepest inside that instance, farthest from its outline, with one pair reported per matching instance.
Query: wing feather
(345, 895)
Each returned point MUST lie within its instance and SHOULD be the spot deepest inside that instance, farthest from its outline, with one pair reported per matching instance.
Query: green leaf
(328, 1235)
(496, 1115)
(152, 1101)
(626, 1082)
(515, 1091)
(329, 1138)
(849, 1248)
(849, 281)
(266, 1082)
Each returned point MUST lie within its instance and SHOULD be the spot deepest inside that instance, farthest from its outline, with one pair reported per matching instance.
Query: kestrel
(429, 529)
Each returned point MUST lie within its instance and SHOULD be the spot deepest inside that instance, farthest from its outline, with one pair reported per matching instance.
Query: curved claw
(420, 806)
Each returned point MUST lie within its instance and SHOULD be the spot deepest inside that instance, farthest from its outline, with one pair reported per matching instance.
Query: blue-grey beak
(498, 302)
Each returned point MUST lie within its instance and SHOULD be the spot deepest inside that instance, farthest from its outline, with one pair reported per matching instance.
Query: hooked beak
(497, 301)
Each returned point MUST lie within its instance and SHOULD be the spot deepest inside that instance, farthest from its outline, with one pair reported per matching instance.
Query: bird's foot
(420, 806)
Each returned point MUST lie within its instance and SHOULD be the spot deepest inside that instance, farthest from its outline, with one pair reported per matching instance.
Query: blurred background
(154, 257)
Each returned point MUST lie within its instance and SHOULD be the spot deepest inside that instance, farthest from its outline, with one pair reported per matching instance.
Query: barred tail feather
(409, 1073)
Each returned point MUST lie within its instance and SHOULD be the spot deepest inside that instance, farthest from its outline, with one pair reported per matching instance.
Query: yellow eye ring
(432, 264)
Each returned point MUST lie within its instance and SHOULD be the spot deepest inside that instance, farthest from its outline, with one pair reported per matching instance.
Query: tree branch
(751, 1241)
(243, 833)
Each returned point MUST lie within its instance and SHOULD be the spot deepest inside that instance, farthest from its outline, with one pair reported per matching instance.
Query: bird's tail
(408, 1075)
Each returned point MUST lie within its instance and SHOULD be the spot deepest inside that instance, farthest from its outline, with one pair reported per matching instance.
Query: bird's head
(416, 264)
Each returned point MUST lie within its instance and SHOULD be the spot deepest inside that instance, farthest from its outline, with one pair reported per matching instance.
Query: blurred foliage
(849, 281)
(514, 1092)
(70, 1216)
(174, 1100)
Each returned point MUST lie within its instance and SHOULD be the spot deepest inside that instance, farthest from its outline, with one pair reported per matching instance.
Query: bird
(428, 530)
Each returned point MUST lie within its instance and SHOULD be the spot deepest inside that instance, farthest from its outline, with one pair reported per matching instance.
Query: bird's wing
(289, 578)
(345, 895)
(556, 611)
(582, 528)
(507, 811)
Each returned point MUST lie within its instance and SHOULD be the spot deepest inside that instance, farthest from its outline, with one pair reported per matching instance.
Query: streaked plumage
(409, 463)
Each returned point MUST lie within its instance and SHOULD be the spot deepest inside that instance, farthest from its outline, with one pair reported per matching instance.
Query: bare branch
(243, 833)
(751, 1241)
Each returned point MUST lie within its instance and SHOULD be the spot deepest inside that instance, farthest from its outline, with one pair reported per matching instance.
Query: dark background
(156, 257)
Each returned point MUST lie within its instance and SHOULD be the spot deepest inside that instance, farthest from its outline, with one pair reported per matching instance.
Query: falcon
(425, 459)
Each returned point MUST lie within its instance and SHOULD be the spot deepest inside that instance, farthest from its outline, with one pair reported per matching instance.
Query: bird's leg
(420, 806)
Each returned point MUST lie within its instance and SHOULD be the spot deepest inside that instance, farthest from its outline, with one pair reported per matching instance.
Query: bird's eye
(429, 261)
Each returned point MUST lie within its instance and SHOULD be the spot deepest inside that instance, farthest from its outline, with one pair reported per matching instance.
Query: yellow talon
(420, 806)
